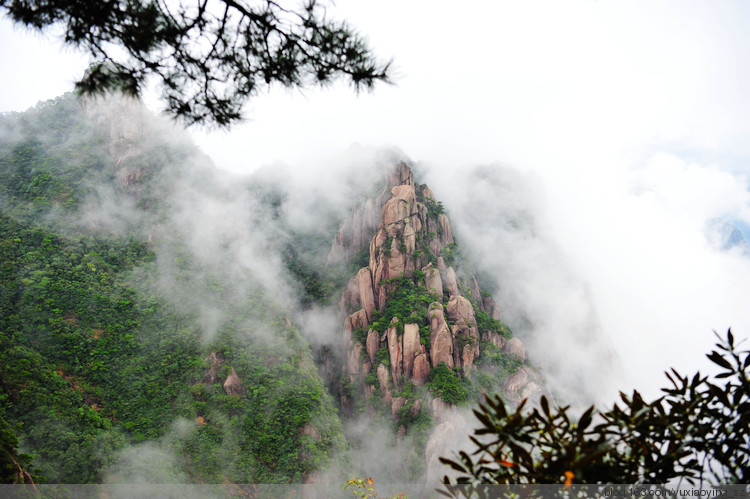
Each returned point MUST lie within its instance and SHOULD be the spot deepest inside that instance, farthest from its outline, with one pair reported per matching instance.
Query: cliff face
(414, 307)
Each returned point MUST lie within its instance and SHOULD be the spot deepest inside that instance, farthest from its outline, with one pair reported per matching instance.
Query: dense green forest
(97, 358)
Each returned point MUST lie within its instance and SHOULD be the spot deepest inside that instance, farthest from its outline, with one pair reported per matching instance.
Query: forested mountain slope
(167, 322)
(125, 322)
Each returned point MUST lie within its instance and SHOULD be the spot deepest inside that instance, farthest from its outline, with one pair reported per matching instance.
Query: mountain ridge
(417, 338)
(152, 296)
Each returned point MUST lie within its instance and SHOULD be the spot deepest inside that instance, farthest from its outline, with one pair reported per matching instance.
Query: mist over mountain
(146, 309)
(167, 322)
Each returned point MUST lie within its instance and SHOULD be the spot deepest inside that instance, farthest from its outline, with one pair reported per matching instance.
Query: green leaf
(545, 405)
(585, 420)
(717, 359)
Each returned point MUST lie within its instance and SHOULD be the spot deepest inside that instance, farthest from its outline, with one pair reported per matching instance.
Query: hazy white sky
(634, 115)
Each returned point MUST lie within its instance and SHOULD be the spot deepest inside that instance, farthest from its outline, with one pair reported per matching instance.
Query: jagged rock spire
(410, 234)
(391, 338)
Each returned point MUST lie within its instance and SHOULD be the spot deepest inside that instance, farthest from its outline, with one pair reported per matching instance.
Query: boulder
(522, 385)
(373, 344)
(441, 265)
(441, 347)
(469, 354)
(432, 280)
(435, 246)
(476, 293)
(382, 374)
(396, 262)
(530, 391)
(233, 384)
(436, 317)
(396, 404)
(491, 307)
(394, 211)
(411, 348)
(514, 346)
(366, 295)
(379, 271)
(446, 234)
(395, 352)
(358, 320)
(459, 307)
(421, 369)
(409, 237)
(516, 381)
(449, 280)
(401, 175)
(495, 339)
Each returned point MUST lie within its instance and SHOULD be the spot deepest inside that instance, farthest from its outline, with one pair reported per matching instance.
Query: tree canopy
(696, 432)
(209, 56)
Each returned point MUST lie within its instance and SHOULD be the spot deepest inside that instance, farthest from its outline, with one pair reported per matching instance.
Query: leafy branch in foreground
(697, 432)
(210, 55)
(365, 488)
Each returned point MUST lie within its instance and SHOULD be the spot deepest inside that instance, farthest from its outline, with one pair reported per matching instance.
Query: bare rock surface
(441, 340)
(459, 307)
(396, 404)
(372, 344)
(449, 280)
(421, 368)
(523, 384)
(446, 233)
(491, 307)
(366, 295)
(395, 351)
(514, 346)
(441, 349)
(382, 374)
(233, 384)
(411, 347)
(432, 280)
(476, 293)
(402, 175)
(353, 364)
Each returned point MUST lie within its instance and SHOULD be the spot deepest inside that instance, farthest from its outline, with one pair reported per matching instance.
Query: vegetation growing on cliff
(407, 302)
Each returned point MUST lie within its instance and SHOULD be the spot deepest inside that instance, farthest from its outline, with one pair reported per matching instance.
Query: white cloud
(574, 91)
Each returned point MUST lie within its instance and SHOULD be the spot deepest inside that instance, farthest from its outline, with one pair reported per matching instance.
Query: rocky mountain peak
(412, 308)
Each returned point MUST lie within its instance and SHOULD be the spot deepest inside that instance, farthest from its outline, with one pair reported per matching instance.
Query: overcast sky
(634, 115)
